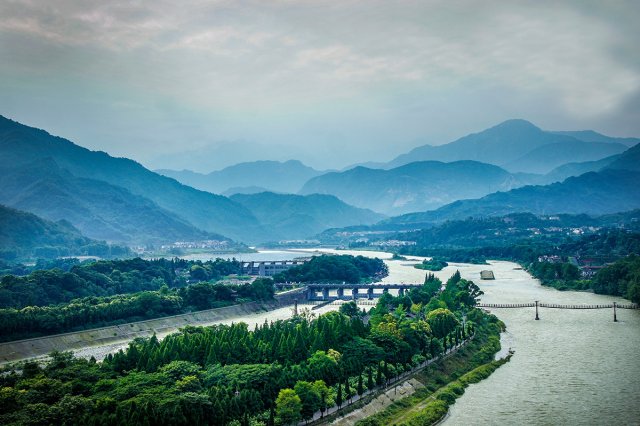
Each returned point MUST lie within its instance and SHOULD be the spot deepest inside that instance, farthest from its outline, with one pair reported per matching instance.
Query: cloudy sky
(204, 84)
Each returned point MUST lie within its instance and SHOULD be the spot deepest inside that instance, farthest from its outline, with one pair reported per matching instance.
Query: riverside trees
(283, 370)
(332, 268)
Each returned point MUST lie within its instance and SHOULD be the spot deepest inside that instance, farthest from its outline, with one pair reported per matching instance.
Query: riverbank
(440, 383)
(373, 400)
(99, 342)
(569, 366)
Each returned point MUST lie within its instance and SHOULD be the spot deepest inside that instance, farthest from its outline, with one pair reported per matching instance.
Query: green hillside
(286, 216)
(608, 191)
(99, 210)
(416, 186)
(25, 235)
(21, 145)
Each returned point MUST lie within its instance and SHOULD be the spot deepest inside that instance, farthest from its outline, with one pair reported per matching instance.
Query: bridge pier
(354, 293)
(385, 290)
(615, 319)
(537, 317)
(370, 293)
(311, 294)
(340, 292)
(325, 293)
(401, 292)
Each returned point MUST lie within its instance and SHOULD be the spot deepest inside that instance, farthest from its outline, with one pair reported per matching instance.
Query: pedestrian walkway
(318, 416)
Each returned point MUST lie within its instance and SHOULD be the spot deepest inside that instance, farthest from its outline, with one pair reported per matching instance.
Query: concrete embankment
(112, 337)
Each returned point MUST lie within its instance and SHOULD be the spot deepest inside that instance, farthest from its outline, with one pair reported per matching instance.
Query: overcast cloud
(327, 82)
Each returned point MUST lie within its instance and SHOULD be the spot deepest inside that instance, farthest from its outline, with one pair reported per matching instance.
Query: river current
(572, 367)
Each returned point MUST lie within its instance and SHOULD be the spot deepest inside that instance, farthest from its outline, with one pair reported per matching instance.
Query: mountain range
(417, 186)
(249, 177)
(118, 200)
(112, 198)
(290, 217)
(595, 193)
(520, 146)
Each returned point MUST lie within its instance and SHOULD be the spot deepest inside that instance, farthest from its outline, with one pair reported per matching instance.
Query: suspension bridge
(615, 306)
(536, 304)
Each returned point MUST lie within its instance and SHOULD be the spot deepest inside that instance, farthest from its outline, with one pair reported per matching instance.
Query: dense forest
(98, 311)
(279, 373)
(107, 278)
(331, 268)
(620, 278)
(25, 235)
(96, 294)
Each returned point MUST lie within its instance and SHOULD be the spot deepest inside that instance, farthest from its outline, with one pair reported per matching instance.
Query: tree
(310, 398)
(262, 289)
(360, 389)
(359, 353)
(323, 366)
(322, 390)
(379, 380)
(350, 309)
(442, 322)
(288, 407)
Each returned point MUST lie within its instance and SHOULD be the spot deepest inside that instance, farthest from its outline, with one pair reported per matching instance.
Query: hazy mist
(203, 85)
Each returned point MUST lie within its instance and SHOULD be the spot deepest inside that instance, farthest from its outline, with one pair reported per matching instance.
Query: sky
(205, 84)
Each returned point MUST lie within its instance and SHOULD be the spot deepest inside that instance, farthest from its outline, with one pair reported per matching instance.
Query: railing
(556, 306)
(506, 305)
(319, 416)
(537, 305)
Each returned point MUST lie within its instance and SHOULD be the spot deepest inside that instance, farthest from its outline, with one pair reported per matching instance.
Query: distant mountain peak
(516, 123)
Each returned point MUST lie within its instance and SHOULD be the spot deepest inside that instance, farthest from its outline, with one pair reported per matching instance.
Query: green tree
(442, 322)
(349, 309)
(310, 398)
(288, 407)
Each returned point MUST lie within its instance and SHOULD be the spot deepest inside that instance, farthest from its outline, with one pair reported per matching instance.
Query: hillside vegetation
(413, 187)
(25, 235)
(286, 216)
(55, 178)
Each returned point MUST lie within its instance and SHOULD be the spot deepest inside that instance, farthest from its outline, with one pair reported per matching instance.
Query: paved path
(318, 416)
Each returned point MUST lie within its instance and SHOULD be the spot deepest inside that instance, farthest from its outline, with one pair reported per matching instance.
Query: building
(269, 268)
(487, 275)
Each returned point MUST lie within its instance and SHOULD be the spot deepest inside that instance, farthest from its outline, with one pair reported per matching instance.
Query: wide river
(572, 367)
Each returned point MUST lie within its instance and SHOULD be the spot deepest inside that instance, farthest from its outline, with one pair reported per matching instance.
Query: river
(571, 367)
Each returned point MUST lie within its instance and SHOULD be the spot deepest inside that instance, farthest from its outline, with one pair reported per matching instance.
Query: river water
(572, 367)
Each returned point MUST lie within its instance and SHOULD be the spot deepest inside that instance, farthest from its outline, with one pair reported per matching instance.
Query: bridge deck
(555, 306)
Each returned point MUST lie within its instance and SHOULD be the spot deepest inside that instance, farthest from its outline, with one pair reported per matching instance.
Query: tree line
(105, 278)
(617, 249)
(332, 268)
(278, 373)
